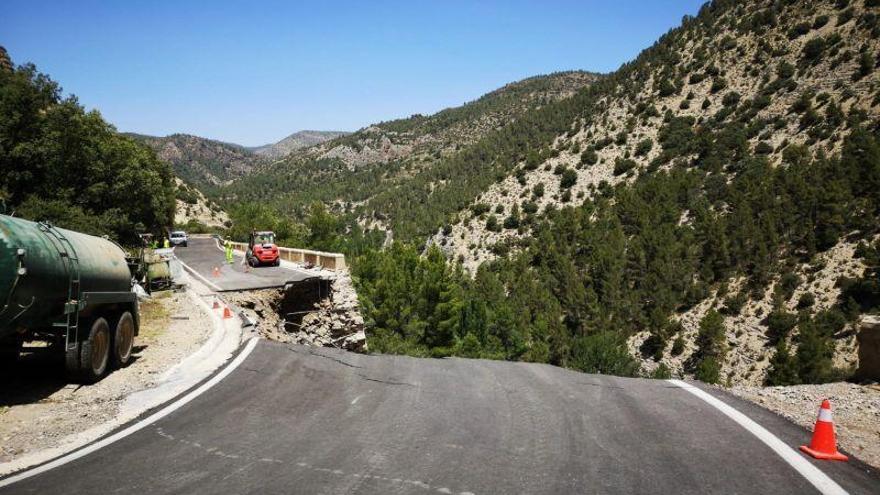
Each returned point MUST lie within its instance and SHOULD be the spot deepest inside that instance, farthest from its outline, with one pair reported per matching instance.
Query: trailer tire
(71, 360)
(95, 352)
(123, 340)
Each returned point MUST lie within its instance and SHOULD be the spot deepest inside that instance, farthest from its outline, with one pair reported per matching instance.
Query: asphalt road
(293, 419)
(202, 255)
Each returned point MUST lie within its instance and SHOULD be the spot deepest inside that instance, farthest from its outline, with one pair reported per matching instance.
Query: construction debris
(319, 312)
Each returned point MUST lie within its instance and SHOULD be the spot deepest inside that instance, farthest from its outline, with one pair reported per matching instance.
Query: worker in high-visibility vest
(228, 246)
(166, 243)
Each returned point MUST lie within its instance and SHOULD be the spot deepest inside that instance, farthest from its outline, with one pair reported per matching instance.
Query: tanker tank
(68, 288)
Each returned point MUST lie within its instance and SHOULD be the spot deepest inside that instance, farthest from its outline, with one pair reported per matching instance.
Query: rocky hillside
(194, 211)
(784, 82)
(710, 209)
(352, 170)
(295, 141)
(786, 75)
(202, 162)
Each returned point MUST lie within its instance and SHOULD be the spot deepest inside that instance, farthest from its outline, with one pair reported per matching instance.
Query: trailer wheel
(123, 340)
(95, 352)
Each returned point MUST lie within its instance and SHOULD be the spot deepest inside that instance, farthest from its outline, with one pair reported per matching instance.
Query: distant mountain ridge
(370, 164)
(295, 141)
(207, 163)
(200, 161)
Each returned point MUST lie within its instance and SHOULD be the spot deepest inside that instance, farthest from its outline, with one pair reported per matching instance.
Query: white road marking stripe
(137, 426)
(197, 274)
(815, 476)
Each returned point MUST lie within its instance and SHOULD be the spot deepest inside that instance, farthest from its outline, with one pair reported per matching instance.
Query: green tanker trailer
(70, 289)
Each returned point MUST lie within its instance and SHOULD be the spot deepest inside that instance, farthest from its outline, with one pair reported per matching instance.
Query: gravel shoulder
(856, 411)
(39, 408)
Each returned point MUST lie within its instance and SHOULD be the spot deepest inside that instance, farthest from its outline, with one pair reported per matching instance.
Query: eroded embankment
(319, 312)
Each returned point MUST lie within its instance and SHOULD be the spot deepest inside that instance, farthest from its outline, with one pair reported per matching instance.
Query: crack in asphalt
(387, 382)
(594, 384)
(331, 358)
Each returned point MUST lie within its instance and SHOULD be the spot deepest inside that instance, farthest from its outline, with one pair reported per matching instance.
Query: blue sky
(253, 72)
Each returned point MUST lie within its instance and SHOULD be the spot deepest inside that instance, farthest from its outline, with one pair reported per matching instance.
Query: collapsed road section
(289, 303)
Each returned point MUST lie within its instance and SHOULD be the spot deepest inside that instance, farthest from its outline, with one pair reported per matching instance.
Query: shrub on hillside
(604, 353)
(780, 324)
(813, 49)
(666, 88)
(711, 338)
(783, 367)
(644, 146)
(623, 165)
(589, 157)
(708, 370)
(734, 304)
(569, 178)
(512, 221)
(807, 300)
(815, 354)
(784, 70)
(492, 224)
(538, 190)
(480, 208)
(677, 346)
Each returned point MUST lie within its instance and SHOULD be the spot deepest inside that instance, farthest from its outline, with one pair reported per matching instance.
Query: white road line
(815, 476)
(197, 274)
(137, 426)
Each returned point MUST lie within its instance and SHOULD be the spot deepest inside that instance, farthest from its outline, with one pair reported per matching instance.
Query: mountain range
(207, 163)
(295, 141)
(712, 203)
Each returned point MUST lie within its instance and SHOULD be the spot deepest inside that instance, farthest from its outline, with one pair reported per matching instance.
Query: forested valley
(710, 209)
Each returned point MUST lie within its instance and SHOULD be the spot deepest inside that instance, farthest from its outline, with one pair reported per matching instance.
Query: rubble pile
(323, 313)
(336, 321)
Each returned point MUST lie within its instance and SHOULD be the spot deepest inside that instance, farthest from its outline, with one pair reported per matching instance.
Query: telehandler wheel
(95, 352)
(123, 340)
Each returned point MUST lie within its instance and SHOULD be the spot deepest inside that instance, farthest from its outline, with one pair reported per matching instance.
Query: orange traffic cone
(216, 271)
(216, 303)
(227, 313)
(824, 445)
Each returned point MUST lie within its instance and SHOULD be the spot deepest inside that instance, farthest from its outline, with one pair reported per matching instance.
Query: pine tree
(783, 367)
(814, 355)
